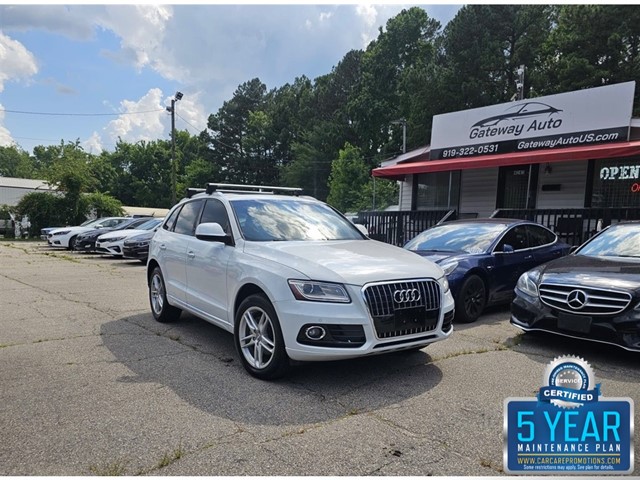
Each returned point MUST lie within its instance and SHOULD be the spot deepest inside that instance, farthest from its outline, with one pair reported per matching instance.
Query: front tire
(72, 243)
(471, 300)
(160, 308)
(258, 339)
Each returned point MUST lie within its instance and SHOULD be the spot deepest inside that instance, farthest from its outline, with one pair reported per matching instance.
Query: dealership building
(570, 161)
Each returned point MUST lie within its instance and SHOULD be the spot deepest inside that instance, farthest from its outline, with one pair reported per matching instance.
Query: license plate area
(406, 320)
(574, 323)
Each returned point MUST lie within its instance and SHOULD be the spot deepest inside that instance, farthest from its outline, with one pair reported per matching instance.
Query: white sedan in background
(111, 243)
(66, 236)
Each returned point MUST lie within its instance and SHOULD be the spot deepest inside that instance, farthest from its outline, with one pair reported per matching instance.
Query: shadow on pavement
(198, 362)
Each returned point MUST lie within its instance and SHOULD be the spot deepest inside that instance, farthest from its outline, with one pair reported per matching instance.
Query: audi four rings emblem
(402, 296)
(577, 299)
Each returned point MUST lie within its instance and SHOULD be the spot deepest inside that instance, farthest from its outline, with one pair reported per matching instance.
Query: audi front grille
(584, 300)
(403, 308)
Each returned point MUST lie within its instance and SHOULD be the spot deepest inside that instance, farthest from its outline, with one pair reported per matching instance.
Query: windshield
(458, 237)
(616, 241)
(271, 220)
(150, 224)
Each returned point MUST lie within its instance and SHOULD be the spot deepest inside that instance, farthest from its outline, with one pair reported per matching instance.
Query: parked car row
(107, 236)
(294, 280)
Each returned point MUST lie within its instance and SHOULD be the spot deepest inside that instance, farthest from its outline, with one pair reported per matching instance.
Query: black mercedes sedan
(593, 294)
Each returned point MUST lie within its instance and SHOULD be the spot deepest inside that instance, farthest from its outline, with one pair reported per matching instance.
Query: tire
(258, 339)
(471, 300)
(72, 243)
(160, 308)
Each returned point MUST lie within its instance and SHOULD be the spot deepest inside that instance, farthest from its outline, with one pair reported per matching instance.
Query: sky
(96, 73)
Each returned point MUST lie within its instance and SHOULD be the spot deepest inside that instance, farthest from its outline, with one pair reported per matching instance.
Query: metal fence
(397, 228)
(572, 225)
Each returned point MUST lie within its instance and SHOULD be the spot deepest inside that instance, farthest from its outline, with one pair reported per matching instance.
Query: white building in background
(13, 189)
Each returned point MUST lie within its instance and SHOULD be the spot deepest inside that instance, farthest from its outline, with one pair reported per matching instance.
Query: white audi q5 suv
(292, 279)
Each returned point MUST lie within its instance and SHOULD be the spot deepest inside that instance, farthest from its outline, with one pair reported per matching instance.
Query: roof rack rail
(192, 191)
(235, 188)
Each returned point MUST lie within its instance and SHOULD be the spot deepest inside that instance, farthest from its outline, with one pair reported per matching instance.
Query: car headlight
(444, 283)
(319, 291)
(449, 267)
(63, 232)
(527, 282)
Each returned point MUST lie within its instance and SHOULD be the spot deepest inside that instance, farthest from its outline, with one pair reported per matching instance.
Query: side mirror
(213, 232)
(506, 248)
(98, 225)
(364, 230)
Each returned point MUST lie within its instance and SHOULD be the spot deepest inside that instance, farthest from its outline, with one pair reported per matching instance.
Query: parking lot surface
(92, 385)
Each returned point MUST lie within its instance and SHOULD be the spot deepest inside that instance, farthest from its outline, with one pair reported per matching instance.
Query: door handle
(528, 257)
(190, 254)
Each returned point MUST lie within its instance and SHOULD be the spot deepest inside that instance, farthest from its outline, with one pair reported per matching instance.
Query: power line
(81, 114)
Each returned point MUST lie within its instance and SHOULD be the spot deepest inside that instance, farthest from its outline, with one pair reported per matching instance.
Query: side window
(516, 237)
(171, 221)
(214, 212)
(186, 222)
(540, 236)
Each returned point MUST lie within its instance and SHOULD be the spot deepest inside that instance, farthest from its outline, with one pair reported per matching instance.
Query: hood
(439, 257)
(602, 272)
(142, 237)
(122, 233)
(71, 229)
(354, 262)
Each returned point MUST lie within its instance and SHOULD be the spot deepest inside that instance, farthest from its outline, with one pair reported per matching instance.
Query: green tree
(407, 43)
(483, 47)
(349, 175)
(70, 172)
(591, 46)
(15, 162)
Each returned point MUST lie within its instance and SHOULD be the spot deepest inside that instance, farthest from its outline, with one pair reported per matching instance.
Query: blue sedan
(483, 258)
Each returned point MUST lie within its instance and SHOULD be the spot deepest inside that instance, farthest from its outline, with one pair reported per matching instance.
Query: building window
(437, 191)
(616, 183)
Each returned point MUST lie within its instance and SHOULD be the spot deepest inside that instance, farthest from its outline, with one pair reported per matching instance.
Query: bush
(102, 205)
(44, 210)
(6, 225)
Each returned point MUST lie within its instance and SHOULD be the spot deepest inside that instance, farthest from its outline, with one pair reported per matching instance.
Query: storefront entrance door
(517, 186)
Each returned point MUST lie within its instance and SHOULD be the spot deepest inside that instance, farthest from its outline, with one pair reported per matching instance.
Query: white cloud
(155, 124)
(93, 145)
(5, 136)
(368, 15)
(132, 126)
(17, 62)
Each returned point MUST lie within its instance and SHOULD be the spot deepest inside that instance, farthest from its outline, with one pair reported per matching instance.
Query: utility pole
(520, 82)
(174, 165)
(403, 122)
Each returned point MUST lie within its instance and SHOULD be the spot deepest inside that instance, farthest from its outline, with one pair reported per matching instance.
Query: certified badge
(569, 382)
(569, 428)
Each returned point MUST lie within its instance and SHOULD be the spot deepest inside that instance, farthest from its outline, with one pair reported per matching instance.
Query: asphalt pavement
(92, 385)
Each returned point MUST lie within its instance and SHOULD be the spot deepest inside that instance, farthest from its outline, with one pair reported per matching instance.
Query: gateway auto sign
(585, 117)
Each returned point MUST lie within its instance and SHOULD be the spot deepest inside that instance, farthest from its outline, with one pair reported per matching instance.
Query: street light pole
(174, 166)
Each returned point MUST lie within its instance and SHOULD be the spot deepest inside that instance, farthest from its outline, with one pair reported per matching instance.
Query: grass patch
(168, 458)
(114, 469)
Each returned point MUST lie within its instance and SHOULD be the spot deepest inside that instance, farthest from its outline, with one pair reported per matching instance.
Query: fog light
(315, 333)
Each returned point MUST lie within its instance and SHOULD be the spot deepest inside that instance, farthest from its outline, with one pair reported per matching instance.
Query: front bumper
(138, 253)
(350, 330)
(110, 248)
(623, 330)
(85, 245)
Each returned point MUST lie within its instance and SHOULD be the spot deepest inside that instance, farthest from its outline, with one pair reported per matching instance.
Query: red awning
(591, 152)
